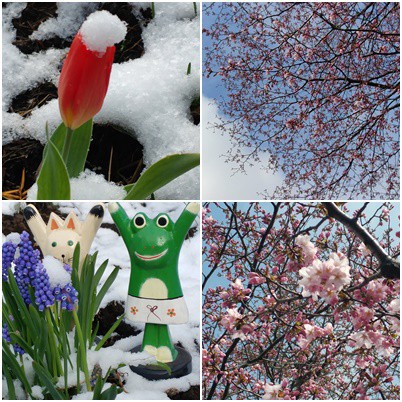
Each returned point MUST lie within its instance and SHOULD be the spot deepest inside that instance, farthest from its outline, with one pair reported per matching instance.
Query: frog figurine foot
(155, 296)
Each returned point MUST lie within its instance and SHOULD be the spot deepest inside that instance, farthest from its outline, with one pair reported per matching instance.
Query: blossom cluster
(312, 332)
(237, 324)
(25, 266)
(67, 296)
(235, 294)
(368, 339)
(323, 278)
(277, 391)
(308, 249)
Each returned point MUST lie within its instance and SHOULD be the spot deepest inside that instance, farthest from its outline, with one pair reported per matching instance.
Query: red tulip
(83, 83)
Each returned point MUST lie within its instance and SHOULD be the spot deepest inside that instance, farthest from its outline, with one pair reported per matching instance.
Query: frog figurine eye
(139, 221)
(54, 244)
(162, 221)
(70, 243)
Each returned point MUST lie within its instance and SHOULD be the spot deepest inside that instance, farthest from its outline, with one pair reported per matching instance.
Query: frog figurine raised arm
(155, 296)
(59, 237)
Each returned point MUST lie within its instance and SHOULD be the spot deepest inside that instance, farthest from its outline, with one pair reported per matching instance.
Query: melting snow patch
(58, 276)
(88, 186)
(11, 207)
(67, 23)
(14, 238)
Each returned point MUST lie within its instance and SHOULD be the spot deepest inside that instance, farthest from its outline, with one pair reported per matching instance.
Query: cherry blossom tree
(301, 301)
(316, 87)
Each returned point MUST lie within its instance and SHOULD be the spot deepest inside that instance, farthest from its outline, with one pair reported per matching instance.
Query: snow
(21, 71)
(110, 245)
(12, 237)
(37, 392)
(102, 30)
(58, 276)
(67, 23)
(148, 97)
(88, 186)
(11, 207)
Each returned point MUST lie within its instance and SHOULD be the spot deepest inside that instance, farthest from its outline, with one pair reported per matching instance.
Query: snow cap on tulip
(102, 30)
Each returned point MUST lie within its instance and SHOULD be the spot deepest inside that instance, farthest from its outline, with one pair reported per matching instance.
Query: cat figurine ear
(54, 223)
(73, 223)
(59, 237)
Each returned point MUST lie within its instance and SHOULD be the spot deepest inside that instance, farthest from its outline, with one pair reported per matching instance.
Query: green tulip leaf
(160, 174)
(81, 139)
(53, 181)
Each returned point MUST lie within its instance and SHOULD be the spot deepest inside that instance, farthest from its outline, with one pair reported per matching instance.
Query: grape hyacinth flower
(25, 266)
(8, 251)
(68, 268)
(30, 271)
(6, 336)
(5, 333)
(67, 296)
(43, 291)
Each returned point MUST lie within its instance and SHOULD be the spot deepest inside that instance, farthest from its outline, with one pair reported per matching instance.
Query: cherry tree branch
(389, 266)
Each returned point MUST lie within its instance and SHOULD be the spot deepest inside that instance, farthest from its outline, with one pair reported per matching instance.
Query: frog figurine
(155, 296)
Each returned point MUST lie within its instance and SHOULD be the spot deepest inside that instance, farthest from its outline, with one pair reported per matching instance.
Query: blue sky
(219, 182)
(211, 87)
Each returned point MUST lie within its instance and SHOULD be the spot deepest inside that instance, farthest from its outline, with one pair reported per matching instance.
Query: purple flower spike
(25, 266)
(8, 257)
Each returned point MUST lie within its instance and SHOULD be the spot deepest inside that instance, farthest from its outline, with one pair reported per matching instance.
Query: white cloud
(218, 181)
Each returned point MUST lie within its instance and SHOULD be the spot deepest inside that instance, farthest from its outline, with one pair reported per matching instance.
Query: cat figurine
(59, 237)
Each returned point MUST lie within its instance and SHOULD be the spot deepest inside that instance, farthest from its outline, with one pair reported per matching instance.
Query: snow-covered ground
(111, 246)
(149, 96)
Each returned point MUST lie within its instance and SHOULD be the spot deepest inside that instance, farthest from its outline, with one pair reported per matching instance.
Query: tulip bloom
(83, 82)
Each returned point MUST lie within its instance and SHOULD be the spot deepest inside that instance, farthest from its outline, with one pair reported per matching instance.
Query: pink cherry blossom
(325, 279)
(255, 279)
(308, 248)
(230, 319)
(272, 392)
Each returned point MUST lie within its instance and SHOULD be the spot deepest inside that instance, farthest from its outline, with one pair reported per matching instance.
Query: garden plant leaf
(160, 174)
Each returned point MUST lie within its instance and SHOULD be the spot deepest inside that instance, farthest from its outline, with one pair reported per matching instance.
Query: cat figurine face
(60, 237)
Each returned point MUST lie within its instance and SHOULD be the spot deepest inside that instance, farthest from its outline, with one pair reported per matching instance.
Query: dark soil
(113, 153)
(24, 154)
(195, 111)
(192, 393)
(107, 316)
(26, 101)
(116, 154)
(31, 17)
(17, 222)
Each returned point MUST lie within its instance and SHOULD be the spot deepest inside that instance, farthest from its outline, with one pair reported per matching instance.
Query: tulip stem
(67, 144)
